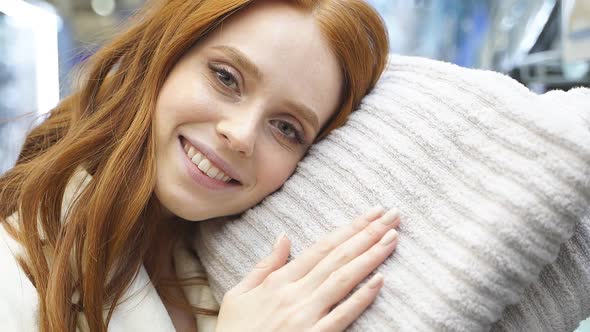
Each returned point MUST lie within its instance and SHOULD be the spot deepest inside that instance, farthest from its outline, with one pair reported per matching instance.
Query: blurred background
(545, 44)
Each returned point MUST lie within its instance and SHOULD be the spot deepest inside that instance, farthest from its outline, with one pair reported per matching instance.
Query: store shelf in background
(30, 73)
(547, 70)
(486, 34)
(576, 30)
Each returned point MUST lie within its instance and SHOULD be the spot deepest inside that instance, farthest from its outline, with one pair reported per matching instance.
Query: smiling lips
(205, 164)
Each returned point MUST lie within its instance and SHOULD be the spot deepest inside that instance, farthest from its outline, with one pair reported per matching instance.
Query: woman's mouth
(203, 171)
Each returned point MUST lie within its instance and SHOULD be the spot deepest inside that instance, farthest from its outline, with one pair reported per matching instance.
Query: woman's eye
(286, 128)
(225, 77)
(289, 132)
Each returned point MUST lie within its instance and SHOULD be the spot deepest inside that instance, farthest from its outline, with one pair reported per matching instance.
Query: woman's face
(249, 98)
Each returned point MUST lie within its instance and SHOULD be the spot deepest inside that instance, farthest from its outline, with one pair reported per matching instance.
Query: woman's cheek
(279, 170)
(196, 104)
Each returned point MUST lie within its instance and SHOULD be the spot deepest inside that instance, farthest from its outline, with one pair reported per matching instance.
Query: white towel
(490, 178)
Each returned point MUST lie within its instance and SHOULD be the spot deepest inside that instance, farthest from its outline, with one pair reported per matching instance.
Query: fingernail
(375, 281)
(278, 240)
(375, 212)
(390, 216)
(376, 209)
(388, 237)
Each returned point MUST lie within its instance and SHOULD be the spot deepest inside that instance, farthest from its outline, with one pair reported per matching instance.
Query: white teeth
(219, 175)
(197, 158)
(212, 172)
(191, 152)
(204, 164)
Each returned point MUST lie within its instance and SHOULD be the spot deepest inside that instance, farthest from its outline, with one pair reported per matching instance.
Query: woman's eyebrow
(244, 62)
(305, 112)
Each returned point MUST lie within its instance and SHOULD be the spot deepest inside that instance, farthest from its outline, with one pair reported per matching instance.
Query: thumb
(266, 266)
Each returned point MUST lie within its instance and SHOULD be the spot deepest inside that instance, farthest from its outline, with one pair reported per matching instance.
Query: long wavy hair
(106, 127)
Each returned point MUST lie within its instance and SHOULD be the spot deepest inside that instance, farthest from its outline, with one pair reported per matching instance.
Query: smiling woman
(199, 110)
(249, 74)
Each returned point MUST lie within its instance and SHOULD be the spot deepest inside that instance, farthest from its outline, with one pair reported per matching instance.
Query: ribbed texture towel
(490, 178)
(560, 299)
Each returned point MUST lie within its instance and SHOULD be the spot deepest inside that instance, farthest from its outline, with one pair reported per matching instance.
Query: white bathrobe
(144, 311)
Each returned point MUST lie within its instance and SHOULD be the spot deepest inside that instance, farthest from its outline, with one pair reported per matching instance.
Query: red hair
(106, 128)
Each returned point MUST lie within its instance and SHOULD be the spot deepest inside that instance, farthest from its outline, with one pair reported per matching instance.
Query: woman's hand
(299, 296)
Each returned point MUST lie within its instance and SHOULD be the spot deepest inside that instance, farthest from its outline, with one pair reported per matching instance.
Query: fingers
(342, 281)
(275, 260)
(310, 257)
(353, 248)
(348, 311)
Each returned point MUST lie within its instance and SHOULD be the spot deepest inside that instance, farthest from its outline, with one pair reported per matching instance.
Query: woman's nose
(238, 134)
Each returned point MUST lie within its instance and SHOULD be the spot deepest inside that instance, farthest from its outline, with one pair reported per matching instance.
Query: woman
(199, 110)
